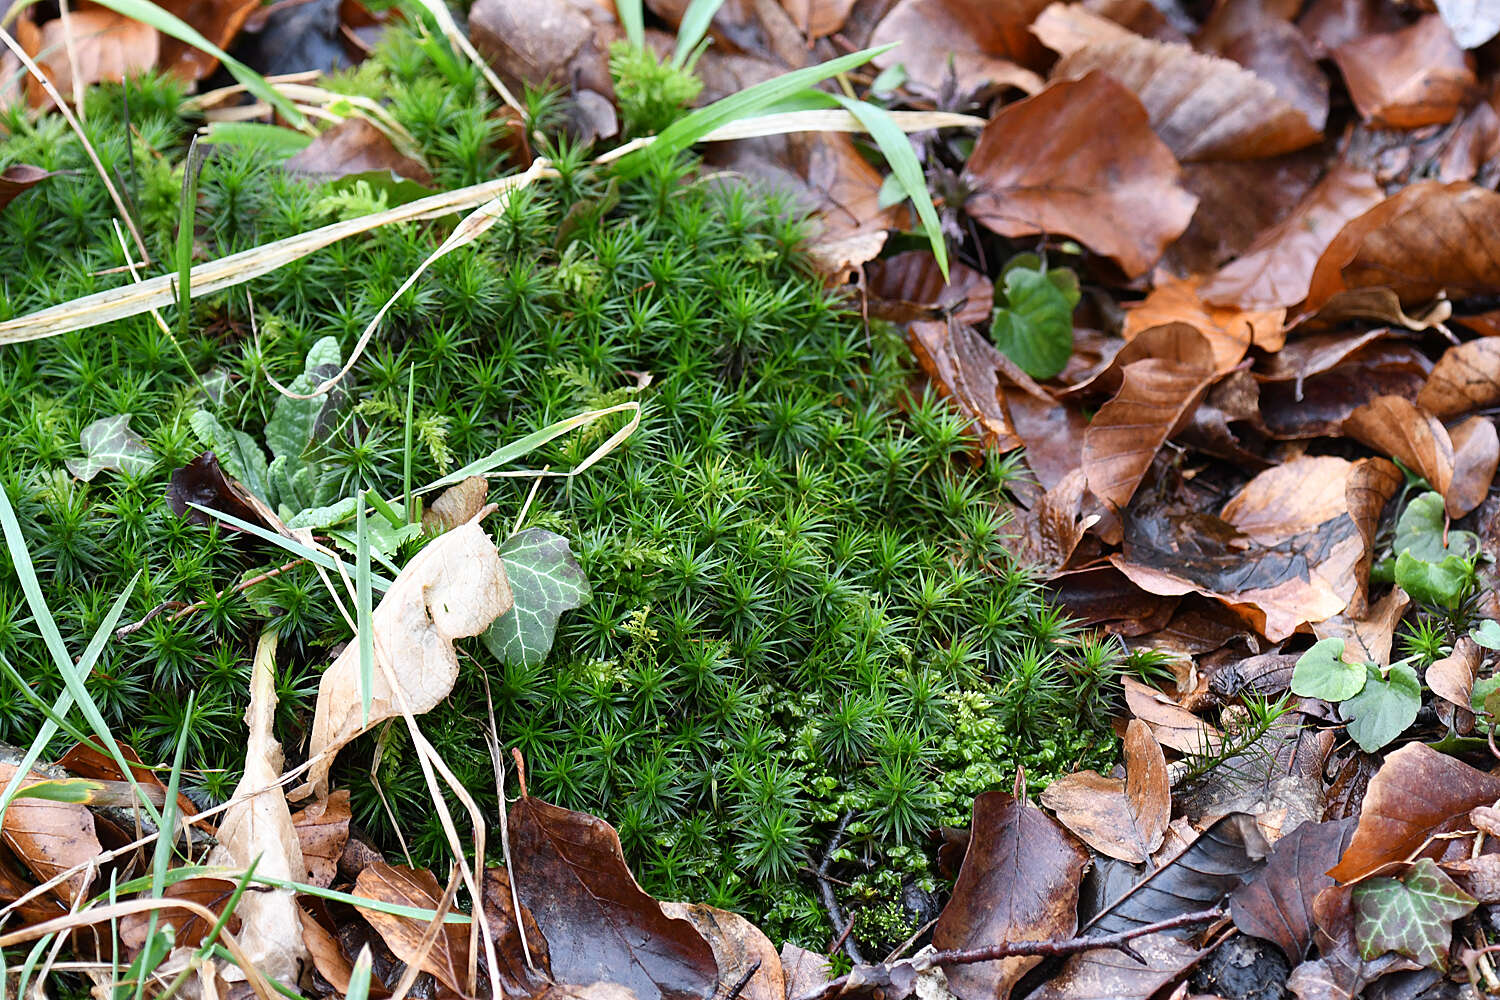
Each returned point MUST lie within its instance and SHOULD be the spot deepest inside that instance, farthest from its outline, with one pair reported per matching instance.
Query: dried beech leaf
(189, 927)
(1230, 331)
(1417, 793)
(909, 286)
(1370, 486)
(1367, 636)
(108, 48)
(518, 977)
(988, 41)
(1476, 456)
(1121, 197)
(1155, 400)
(1107, 973)
(1277, 904)
(1123, 819)
(50, 837)
(965, 366)
(1019, 882)
(1467, 377)
(1399, 429)
(1276, 270)
(740, 949)
(1452, 677)
(456, 505)
(1203, 107)
(322, 831)
(448, 958)
(571, 874)
(19, 178)
(1046, 535)
(1404, 79)
(455, 587)
(354, 146)
(1171, 724)
(816, 18)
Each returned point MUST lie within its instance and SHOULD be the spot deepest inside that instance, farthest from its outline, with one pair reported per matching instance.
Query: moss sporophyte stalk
(802, 603)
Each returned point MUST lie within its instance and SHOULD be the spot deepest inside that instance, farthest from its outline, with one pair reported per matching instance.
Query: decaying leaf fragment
(1123, 819)
(455, 587)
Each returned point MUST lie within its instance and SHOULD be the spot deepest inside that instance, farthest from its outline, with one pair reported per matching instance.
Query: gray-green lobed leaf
(1384, 707)
(1322, 672)
(1411, 916)
(293, 422)
(109, 443)
(545, 581)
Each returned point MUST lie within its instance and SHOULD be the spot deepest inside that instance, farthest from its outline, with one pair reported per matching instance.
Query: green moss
(803, 603)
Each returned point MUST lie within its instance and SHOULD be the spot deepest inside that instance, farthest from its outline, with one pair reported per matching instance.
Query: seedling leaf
(1035, 326)
(1421, 531)
(545, 581)
(289, 432)
(1322, 672)
(1439, 584)
(1487, 634)
(1384, 707)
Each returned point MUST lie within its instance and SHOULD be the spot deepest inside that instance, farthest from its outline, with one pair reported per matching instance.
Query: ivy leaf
(1412, 917)
(1322, 672)
(1439, 584)
(545, 581)
(236, 451)
(1487, 634)
(1420, 531)
(109, 443)
(1035, 326)
(1384, 707)
(293, 422)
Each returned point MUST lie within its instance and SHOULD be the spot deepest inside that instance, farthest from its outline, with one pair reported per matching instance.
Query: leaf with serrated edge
(545, 581)
(109, 443)
(1412, 917)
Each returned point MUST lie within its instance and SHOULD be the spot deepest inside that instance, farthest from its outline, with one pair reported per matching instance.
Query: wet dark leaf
(1277, 902)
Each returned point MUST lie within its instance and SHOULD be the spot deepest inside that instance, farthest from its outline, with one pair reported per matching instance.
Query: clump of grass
(803, 604)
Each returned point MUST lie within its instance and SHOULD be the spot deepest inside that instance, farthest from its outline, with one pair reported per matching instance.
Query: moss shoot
(802, 601)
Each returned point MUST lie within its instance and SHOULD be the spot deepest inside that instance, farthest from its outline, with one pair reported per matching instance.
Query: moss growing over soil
(802, 601)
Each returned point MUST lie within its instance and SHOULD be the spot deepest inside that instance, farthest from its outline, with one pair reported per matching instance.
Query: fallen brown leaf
(988, 42)
(19, 178)
(1399, 429)
(1202, 106)
(1238, 200)
(1372, 483)
(540, 41)
(1123, 819)
(571, 874)
(1476, 456)
(1368, 635)
(1277, 903)
(519, 977)
(456, 505)
(1104, 972)
(1155, 400)
(322, 831)
(817, 18)
(355, 146)
(190, 928)
(1277, 268)
(1452, 677)
(455, 587)
(1048, 533)
(1121, 198)
(740, 949)
(1467, 377)
(964, 366)
(1230, 331)
(807, 972)
(910, 286)
(448, 957)
(1417, 793)
(1171, 724)
(49, 838)
(1018, 882)
(219, 21)
(1260, 37)
(1407, 78)
(107, 47)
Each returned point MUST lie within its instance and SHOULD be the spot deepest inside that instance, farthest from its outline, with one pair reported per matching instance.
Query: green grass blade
(161, 857)
(359, 976)
(904, 166)
(293, 546)
(187, 217)
(410, 500)
(363, 623)
(170, 24)
(633, 20)
(510, 452)
(694, 26)
(73, 681)
(751, 101)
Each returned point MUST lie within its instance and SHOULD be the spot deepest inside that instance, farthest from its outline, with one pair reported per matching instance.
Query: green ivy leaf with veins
(1322, 672)
(1412, 916)
(1384, 707)
(545, 581)
(1439, 584)
(109, 443)
(1034, 328)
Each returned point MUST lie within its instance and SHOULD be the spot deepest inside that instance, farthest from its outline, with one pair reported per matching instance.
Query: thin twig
(743, 981)
(183, 610)
(830, 901)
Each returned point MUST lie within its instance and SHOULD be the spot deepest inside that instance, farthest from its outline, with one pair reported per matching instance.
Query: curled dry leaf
(456, 505)
(1230, 331)
(1202, 106)
(817, 18)
(1452, 677)
(355, 146)
(540, 41)
(1476, 456)
(1123, 819)
(1046, 535)
(1370, 635)
(322, 831)
(740, 949)
(1370, 486)
(50, 837)
(965, 367)
(455, 587)
(1467, 377)
(1426, 239)
(1407, 78)
(1276, 270)
(1277, 903)
(448, 958)
(1018, 882)
(1417, 793)
(1171, 724)
(909, 286)
(988, 41)
(1399, 429)
(519, 977)
(571, 874)
(1121, 198)
(18, 178)
(1155, 400)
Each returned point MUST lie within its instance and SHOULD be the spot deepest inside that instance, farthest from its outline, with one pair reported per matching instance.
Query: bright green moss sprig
(803, 603)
